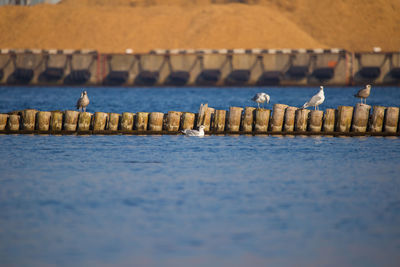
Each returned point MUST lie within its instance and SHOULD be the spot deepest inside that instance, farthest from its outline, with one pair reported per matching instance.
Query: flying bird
(364, 93)
(316, 100)
(83, 101)
(199, 132)
(261, 98)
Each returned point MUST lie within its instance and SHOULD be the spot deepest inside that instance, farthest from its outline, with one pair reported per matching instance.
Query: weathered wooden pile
(283, 120)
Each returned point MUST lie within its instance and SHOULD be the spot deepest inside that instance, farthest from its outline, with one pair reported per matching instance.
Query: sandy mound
(114, 25)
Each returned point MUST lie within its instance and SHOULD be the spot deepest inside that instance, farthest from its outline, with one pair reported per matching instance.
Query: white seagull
(316, 100)
(83, 101)
(364, 93)
(261, 98)
(199, 132)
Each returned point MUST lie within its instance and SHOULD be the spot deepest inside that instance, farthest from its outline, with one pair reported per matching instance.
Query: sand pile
(114, 25)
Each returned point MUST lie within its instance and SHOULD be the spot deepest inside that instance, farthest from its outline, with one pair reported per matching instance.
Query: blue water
(187, 201)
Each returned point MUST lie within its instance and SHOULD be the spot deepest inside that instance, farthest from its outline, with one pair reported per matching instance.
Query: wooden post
(142, 119)
(71, 120)
(235, 114)
(84, 122)
(376, 122)
(278, 115)
(204, 116)
(391, 119)
(100, 121)
(187, 121)
(13, 122)
(219, 120)
(127, 121)
(156, 121)
(262, 120)
(43, 120)
(301, 120)
(173, 121)
(315, 123)
(329, 120)
(345, 115)
(28, 119)
(248, 119)
(360, 118)
(290, 113)
(56, 120)
(113, 121)
(3, 121)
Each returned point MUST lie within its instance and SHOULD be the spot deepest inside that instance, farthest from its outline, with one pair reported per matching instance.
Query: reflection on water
(217, 200)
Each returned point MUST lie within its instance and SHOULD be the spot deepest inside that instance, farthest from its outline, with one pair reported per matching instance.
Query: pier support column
(290, 114)
(376, 122)
(345, 116)
(84, 121)
(113, 121)
(301, 120)
(187, 121)
(219, 120)
(248, 119)
(28, 119)
(127, 121)
(43, 120)
(262, 120)
(142, 119)
(56, 120)
(360, 118)
(329, 120)
(173, 121)
(100, 121)
(391, 119)
(156, 121)
(13, 122)
(278, 115)
(3, 121)
(71, 120)
(235, 114)
(315, 124)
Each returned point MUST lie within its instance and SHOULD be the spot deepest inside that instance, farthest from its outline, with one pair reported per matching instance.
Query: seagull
(199, 132)
(363, 93)
(83, 101)
(261, 98)
(316, 100)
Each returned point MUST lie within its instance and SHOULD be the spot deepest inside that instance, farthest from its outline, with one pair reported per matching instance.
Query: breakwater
(361, 120)
(223, 67)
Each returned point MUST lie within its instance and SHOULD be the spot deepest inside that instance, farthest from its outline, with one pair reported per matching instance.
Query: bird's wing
(314, 99)
(78, 103)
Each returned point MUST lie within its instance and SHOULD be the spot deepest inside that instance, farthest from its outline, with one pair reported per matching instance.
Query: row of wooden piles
(282, 119)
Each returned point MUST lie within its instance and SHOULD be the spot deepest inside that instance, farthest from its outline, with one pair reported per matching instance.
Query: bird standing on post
(261, 98)
(316, 100)
(83, 101)
(364, 93)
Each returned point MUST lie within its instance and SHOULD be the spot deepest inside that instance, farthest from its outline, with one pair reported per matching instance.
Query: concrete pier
(350, 121)
(219, 67)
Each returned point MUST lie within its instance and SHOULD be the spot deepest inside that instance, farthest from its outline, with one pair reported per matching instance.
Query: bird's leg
(84, 109)
(258, 105)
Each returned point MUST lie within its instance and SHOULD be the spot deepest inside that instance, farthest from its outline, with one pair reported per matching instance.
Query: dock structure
(201, 67)
(361, 120)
